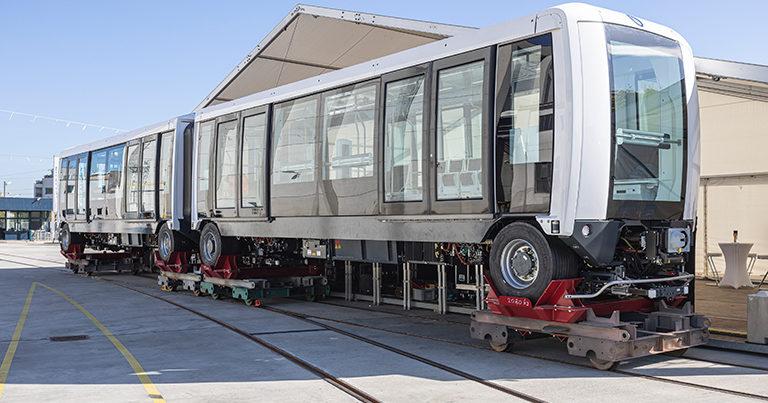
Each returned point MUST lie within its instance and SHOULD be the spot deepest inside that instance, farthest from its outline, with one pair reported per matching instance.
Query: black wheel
(523, 261)
(215, 295)
(68, 238)
(213, 245)
(168, 242)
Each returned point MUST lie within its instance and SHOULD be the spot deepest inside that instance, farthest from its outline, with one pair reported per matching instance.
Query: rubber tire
(176, 243)
(556, 261)
(72, 237)
(226, 246)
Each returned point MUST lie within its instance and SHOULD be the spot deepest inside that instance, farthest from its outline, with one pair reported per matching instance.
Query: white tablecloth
(735, 255)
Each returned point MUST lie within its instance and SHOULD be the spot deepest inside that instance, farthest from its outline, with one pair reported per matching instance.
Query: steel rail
(336, 382)
(454, 371)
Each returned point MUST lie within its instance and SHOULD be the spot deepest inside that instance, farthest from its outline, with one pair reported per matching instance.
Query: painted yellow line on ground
(5, 367)
(150, 387)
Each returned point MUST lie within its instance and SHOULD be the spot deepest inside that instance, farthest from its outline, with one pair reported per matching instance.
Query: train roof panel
(127, 136)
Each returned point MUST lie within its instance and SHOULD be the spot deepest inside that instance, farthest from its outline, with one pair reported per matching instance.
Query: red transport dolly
(605, 330)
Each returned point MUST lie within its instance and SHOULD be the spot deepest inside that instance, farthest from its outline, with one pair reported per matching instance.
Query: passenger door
(459, 134)
(525, 116)
(404, 102)
(253, 183)
(225, 184)
(81, 187)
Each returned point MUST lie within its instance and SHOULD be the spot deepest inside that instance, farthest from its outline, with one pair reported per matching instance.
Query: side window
(148, 166)
(98, 181)
(114, 178)
(132, 178)
(166, 174)
(226, 164)
(203, 167)
(526, 123)
(294, 141)
(114, 169)
(403, 124)
(82, 182)
(253, 158)
(459, 132)
(71, 184)
(348, 121)
(62, 186)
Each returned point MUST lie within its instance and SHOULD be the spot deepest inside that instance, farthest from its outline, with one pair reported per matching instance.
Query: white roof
(744, 80)
(313, 40)
(127, 136)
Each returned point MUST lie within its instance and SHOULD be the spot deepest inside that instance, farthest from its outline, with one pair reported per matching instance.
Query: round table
(735, 255)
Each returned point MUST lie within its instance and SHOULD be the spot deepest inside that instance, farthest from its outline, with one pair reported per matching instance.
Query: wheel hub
(165, 245)
(210, 247)
(519, 264)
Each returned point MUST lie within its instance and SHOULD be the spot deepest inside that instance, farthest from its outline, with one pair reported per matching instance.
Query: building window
(403, 125)
(294, 141)
(348, 121)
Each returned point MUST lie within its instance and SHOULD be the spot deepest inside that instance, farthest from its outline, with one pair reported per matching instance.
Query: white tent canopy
(314, 40)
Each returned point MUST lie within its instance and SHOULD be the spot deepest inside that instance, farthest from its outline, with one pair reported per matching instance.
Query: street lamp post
(5, 184)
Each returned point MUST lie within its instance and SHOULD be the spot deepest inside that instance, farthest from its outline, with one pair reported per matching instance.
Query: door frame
(226, 212)
(405, 207)
(254, 212)
(475, 205)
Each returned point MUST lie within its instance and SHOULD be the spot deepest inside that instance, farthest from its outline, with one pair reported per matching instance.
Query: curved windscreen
(649, 115)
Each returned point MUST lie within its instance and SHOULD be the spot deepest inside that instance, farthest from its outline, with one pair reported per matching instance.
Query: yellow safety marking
(150, 387)
(5, 367)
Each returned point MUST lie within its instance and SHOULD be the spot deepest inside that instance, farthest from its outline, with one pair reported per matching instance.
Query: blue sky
(125, 64)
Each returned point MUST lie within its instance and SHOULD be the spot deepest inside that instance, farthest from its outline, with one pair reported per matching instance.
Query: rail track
(293, 358)
(363, 396)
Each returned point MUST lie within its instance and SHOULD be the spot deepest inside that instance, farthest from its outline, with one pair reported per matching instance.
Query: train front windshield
(648, 122)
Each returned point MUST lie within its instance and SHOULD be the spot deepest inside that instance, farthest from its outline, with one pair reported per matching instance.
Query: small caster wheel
(248, 301)
(602, 365)
(500, 347)
(197, 293)
(256, 303)
(677, 353)
(215, 295)
(311, 297)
